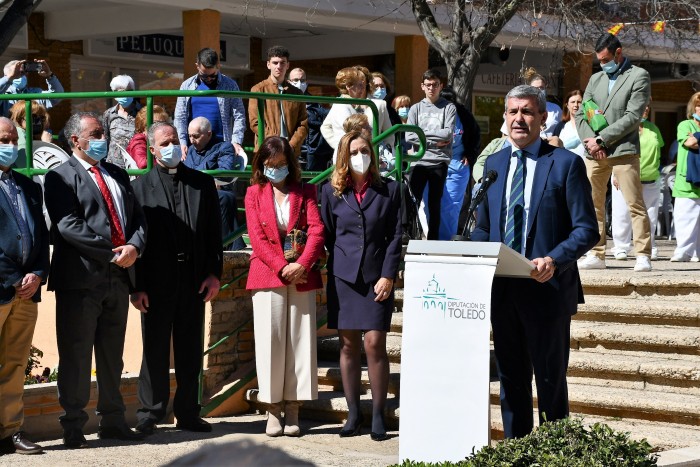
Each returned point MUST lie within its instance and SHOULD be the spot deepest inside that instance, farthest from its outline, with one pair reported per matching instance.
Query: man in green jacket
(621, 92)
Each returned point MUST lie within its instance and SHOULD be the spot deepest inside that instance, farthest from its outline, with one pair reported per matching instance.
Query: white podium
(445, 346)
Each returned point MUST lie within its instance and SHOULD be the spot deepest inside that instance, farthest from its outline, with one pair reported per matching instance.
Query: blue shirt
(208, 107)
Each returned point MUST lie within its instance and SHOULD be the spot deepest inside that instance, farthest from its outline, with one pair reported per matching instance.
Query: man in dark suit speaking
(98, 232)
(179, 271)
(540, 205)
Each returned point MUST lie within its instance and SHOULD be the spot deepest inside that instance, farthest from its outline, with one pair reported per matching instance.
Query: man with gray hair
(14, 81)
(540, 206)
(209, 152)
(120, 120)
(98, 231)
(178, 273)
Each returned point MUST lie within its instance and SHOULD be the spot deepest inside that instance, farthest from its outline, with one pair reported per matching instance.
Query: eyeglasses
(297, 81)
(210, 77)
(431, 85)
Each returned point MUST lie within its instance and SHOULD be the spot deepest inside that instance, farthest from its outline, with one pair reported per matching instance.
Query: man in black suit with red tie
(98, 232)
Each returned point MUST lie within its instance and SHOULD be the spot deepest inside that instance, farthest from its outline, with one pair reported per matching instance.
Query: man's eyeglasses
(210, 77)
(431, 85)
(297, 81)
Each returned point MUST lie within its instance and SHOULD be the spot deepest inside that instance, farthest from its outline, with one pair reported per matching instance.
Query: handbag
(295, 241)
(692, 167)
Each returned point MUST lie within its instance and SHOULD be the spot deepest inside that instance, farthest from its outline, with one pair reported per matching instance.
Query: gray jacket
(438, 123)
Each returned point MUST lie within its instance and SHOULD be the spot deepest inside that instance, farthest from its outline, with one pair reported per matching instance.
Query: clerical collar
(167, 170)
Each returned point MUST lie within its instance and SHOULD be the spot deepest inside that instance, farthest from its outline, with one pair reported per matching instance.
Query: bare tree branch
(15, 17)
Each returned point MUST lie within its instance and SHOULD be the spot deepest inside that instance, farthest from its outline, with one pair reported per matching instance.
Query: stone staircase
(635, 358)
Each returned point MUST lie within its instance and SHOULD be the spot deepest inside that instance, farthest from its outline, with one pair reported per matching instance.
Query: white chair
(129, 162)
(46, 156)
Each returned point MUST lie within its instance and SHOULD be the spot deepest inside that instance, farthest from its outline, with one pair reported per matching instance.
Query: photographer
(14, 81)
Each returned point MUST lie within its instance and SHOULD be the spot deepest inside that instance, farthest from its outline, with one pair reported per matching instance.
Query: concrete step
(332, 407)
(657, 284)
(661, 436)
(329, 377)
(635, 337)
(639, 311)
(641, 370)
(605, 398)
(329, 348)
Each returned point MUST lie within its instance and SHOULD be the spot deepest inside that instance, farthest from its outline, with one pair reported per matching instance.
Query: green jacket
(681, 188)
(623, 108)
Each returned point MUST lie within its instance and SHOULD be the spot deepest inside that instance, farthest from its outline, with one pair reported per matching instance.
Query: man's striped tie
(516, 207)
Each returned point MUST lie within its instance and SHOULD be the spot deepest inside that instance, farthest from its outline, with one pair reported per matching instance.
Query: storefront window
(488, 111)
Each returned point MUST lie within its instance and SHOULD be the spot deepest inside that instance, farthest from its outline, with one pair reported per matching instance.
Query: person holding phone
(176, 275)
(14, 81)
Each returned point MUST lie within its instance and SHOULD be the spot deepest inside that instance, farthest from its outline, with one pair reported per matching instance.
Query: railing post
(261, 121)
(28, 135)
(149, 122)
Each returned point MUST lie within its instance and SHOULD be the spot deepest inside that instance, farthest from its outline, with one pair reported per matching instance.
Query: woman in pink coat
(284, 297)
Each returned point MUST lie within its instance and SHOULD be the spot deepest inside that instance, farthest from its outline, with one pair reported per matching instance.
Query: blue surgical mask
(20, 83)
(124, 101)
(696, 117)
(403, 112)
(276, 174)
(610, 67)
(379, 93)
(97, 150)
(170, 156)
(8, 154)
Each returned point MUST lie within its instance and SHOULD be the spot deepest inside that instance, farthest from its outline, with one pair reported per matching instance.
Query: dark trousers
(87, 319)
(434, 176)
(229, 223)
(523, 344)
(178, 313)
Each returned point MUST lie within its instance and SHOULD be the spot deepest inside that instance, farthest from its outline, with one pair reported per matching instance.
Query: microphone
(488, 180)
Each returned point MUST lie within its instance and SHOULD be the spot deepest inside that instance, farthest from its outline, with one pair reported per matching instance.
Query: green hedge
(564, 443)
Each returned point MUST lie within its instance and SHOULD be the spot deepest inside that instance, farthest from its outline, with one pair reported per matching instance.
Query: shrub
(564, 443)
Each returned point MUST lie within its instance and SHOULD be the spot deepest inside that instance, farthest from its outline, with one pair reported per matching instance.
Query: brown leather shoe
(23, 445)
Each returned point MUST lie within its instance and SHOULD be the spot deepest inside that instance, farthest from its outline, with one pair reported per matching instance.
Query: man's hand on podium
(544, 269)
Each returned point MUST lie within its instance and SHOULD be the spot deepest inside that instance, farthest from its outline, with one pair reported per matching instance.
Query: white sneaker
(591, 262)
(695, 259)
(654, 254)
(679, 258)
(621, 256)
(643, 264)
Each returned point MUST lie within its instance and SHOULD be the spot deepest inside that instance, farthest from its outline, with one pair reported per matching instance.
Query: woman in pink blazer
(284, 297)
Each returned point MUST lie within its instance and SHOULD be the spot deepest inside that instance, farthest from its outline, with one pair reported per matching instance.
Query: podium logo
(434, 298)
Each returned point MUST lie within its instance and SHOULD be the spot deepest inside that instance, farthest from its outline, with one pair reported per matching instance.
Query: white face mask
(359, 163)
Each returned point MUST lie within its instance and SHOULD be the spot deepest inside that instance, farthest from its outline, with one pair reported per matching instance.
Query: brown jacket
(294, 114)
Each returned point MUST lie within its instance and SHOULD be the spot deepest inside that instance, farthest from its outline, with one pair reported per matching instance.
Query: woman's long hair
(339, 178)
(271, 147)
(566, 115)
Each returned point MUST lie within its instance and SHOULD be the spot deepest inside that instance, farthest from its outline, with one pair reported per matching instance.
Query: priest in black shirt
(179, 271)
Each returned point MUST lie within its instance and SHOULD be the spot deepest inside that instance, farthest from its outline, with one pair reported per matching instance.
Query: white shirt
(114, 189)
(531, 152)
(282, 213)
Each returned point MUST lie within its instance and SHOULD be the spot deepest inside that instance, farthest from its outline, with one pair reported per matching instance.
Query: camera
(31, 67)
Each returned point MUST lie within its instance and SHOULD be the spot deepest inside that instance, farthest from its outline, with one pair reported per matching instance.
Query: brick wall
(672, 91)
(57, 54)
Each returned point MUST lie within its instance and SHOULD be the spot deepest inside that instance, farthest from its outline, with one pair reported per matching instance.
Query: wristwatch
(599, 141)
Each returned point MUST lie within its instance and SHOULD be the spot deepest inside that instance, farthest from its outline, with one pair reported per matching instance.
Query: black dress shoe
(353, 430)
(23, 445)
(74, 439)
(121, 432)
(378, 436)
(6, 446)
(146, 426)
(195, 424)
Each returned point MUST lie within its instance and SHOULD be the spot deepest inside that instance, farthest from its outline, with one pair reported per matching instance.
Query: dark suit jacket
(80, 225)
(160, 257)
(363, 237)
(11, 268)
(561, 224)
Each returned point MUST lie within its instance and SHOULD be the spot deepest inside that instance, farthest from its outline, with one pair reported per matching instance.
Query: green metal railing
(314, 177)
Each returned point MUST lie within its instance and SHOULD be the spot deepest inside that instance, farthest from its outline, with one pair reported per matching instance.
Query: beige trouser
(17, 321)
(285, 344)
(626, 171)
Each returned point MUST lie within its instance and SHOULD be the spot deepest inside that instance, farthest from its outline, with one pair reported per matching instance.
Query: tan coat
(294, 114)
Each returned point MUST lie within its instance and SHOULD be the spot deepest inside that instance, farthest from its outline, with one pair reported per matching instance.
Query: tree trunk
(15, 17)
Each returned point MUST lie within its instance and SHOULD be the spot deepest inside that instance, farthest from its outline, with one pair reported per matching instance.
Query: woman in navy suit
(363, 236)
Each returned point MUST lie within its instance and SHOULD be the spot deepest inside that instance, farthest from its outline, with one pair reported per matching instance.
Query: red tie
(115, 226)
